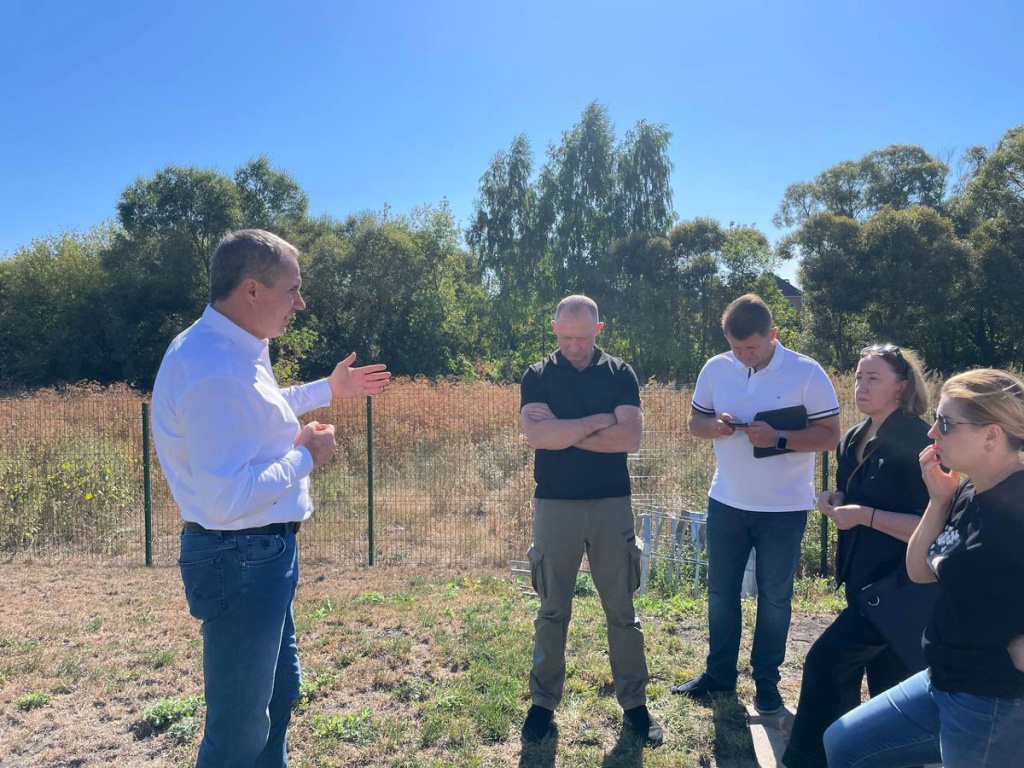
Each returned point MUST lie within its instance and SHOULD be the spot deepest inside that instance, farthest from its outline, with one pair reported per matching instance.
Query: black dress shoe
(701, 686)
(639, 720)
(538, 723)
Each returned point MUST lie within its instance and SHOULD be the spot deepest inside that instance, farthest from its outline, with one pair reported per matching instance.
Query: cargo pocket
(536, 574)
(636, 563)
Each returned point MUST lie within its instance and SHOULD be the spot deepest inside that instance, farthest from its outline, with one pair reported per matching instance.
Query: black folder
(794, 417)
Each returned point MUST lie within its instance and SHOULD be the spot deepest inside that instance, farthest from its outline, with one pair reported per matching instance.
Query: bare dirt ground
(106, 642)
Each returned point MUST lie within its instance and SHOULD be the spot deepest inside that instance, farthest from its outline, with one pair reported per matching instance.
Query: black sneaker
(538, 723)
(701, 686)
(640, 722)
(767, 700)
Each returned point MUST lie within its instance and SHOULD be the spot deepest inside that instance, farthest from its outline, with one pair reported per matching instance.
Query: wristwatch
(780, 441)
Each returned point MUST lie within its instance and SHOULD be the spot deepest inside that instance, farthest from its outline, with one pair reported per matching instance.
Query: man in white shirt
(238, 465)
(757, 502)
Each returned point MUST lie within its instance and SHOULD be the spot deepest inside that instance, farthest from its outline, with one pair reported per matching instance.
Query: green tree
(270, 198)
(158, 264)
(49, 294)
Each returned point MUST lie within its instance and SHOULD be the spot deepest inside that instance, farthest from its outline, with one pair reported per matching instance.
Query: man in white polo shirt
(758, 502)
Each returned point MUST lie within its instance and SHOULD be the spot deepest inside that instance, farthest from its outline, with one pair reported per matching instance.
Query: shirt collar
(773, 365)
(221, 324)
(597, 358)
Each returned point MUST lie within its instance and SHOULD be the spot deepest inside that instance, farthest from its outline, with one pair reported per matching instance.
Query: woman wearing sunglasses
(967, 708)
(878, 501)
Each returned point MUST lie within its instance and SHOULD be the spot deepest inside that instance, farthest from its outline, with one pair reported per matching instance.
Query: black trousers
(831, 683)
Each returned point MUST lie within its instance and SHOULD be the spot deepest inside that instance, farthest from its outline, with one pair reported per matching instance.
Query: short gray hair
(575, 304)
(244, 253)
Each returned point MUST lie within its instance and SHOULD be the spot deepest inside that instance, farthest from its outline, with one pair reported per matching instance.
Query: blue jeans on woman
(915, 723)
(776, 537)
(241, 588)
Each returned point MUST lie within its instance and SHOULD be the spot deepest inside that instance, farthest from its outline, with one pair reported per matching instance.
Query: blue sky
(405, 103)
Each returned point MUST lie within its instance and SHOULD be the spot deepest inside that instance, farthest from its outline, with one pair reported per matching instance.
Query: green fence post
(824, 520)
(369, 472)
(146, 488)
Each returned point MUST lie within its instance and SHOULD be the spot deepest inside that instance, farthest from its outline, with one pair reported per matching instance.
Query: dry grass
(452, 476)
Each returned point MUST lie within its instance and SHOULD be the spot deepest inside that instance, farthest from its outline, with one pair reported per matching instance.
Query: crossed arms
(618, 432)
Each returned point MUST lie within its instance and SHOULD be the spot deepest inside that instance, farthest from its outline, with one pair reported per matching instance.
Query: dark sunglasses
(946, 426)
(888, 350)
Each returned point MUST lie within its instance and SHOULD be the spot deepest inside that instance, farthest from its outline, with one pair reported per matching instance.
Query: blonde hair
(577, 303)
(991, 396)
(913, 398)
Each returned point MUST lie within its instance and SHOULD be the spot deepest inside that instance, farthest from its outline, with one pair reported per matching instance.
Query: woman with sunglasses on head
(967, 708)
(879, 500)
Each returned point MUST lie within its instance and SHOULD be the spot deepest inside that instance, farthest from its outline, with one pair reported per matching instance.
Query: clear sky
(404, 103)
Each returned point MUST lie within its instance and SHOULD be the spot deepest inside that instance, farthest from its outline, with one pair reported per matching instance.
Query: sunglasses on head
(946, 425)
(887, 350)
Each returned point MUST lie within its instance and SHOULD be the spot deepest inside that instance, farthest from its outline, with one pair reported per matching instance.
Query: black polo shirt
(889, 478)
(570, 394)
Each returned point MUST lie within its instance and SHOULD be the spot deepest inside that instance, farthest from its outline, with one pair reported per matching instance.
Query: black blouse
(888, 478)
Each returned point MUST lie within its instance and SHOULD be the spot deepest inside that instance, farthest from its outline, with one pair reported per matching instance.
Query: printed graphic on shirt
(943, 547)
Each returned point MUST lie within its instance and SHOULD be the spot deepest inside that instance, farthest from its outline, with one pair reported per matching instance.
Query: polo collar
(773, 365)
(598, 358)
(220, 324)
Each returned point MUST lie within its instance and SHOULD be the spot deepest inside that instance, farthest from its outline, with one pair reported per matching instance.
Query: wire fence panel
(452, 479)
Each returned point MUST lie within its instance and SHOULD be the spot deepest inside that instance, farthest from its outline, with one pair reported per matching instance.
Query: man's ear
(249, 288)
(772, 334)
(554, 327)
(599, 327)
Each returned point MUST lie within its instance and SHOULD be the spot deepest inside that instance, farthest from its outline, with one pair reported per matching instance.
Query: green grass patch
(162, 715)
(357, 728)
(32, 700)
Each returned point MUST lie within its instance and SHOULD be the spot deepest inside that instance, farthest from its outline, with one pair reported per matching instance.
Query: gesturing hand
(829, 499)
(849, 516)
(347, 381)
(319, 441)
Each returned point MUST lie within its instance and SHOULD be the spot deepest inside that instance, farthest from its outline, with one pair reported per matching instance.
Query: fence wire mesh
(452, 479)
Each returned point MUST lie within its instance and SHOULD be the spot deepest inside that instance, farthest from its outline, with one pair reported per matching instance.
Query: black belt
(274, 529)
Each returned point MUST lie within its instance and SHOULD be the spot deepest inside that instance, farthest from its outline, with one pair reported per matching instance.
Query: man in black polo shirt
(580, 410)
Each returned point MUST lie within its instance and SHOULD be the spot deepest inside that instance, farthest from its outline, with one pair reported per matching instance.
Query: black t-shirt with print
(979, 561)
(606, 383)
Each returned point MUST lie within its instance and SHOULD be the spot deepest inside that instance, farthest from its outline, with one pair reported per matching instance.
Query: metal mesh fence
(452, 478)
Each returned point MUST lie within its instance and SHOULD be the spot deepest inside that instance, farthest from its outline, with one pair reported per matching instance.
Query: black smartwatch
(780, 441)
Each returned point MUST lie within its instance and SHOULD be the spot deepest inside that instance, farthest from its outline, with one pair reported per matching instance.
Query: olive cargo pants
(562, 531)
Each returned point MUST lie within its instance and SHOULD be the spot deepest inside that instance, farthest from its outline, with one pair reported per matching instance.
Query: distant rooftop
(789, 290)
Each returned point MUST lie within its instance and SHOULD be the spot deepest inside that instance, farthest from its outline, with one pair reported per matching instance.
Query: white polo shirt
(775, 483)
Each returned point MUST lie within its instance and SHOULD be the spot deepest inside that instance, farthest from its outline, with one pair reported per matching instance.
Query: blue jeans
(241, 589)
(775, 536)
(916, 723)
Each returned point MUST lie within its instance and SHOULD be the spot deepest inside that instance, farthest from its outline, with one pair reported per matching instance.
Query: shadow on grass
(628, 752)
(733, 745)
(540, 755)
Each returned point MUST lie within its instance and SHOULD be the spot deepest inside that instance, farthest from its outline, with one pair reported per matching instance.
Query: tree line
(894, 246)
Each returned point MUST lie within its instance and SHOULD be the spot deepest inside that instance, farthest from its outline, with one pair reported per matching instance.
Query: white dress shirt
(225, 432)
